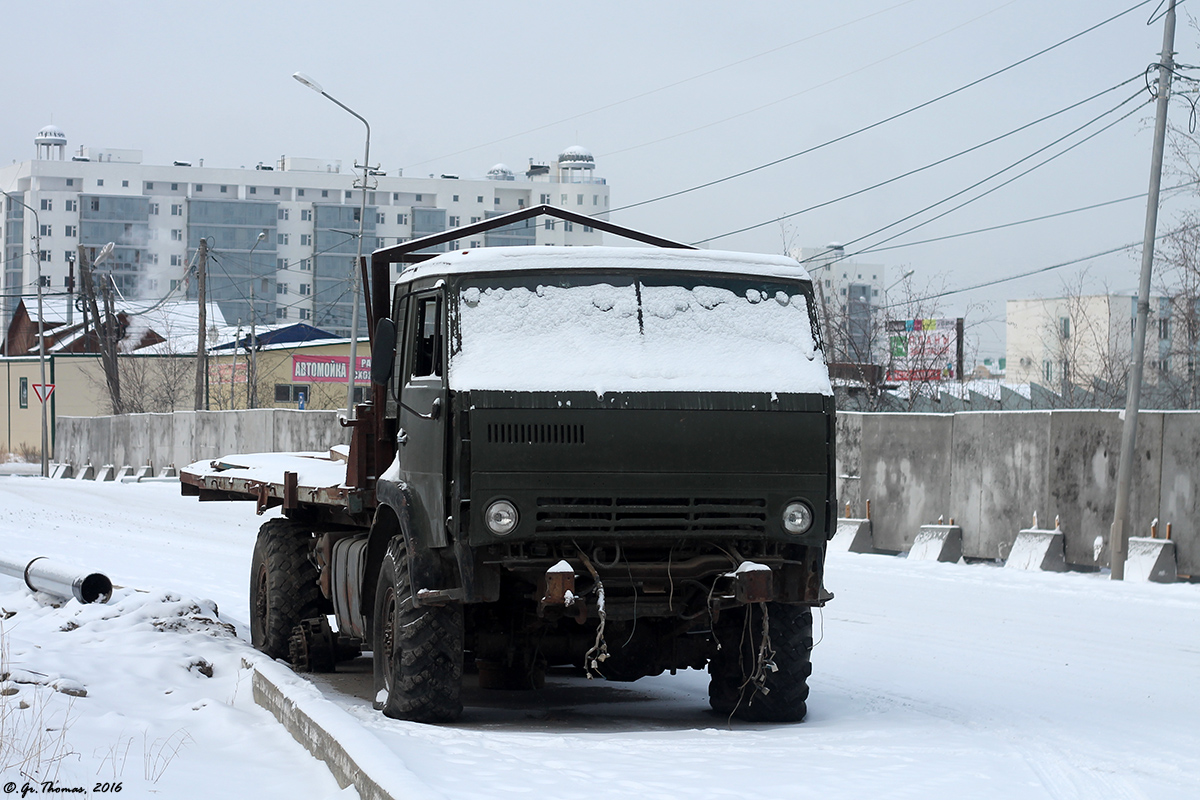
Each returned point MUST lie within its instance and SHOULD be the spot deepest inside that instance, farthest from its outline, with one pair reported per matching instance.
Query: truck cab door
(421, 439)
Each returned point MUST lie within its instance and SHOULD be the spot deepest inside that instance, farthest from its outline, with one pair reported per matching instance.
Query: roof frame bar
(406, 252)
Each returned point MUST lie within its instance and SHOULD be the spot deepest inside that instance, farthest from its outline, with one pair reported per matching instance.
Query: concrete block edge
(353, 755)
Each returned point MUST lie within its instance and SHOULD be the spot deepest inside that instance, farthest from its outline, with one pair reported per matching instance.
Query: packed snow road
(930, 680)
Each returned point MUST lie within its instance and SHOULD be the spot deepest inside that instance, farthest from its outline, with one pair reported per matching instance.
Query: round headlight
(501, 517)
(797, 518)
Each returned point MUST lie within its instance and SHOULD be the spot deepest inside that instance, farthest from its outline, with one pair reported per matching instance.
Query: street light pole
(37, 256)
(356, 289)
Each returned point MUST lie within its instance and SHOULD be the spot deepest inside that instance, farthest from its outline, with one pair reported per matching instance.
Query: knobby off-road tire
(418, 650)
(283, 586)
(790, 631)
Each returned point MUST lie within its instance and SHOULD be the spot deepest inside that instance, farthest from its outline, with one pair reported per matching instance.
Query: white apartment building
(851, 298)
(1065, 341)
(308, 209)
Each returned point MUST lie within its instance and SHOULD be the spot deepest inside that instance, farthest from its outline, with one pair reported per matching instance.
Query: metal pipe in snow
(43, 575)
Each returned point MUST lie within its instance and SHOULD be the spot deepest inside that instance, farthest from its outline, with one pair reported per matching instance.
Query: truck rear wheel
(418, 650)
(283, 586)
(739, 685)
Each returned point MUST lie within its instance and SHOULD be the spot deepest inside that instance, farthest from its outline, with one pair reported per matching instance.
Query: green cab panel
(650, 466)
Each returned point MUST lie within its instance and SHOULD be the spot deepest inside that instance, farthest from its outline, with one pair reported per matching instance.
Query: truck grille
(591, 515)
(513, 433)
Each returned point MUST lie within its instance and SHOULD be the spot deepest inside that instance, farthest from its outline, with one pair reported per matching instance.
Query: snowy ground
(931, 681)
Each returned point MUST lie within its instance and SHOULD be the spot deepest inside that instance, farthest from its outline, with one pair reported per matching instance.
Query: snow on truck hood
(600, 331)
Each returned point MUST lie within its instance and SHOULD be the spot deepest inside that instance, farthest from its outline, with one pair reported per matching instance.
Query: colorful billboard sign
(329, 369)
(924, 350)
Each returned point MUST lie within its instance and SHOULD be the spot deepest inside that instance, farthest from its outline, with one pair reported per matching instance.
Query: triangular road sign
(43, 391)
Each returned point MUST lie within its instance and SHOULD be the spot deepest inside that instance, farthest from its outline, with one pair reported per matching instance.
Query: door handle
(401, 437)
(435, 410)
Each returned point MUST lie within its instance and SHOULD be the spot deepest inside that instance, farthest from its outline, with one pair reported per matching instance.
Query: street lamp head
(309, 82)
(262, 237)
(104, 253)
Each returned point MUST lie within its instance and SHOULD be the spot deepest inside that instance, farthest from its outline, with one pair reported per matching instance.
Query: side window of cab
(426, 341)
(400, 318)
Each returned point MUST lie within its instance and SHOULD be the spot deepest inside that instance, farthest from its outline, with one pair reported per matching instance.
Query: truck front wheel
(418, 650)
(283, 586)
(757, 683)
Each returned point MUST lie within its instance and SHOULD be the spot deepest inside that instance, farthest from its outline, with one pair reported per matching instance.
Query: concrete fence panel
(183, 438)
(68, 438)
(1179, 502)
(849, 447)
(1083, 478)
(299, 431)
(905, 472)
(126, 441)
(83, 440)
(999, 477)
(160, 440)
(253, 429)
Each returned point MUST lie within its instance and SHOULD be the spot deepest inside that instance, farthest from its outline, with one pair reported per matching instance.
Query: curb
(353, 754)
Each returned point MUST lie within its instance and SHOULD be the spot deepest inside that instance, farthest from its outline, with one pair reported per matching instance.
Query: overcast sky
(667, 95)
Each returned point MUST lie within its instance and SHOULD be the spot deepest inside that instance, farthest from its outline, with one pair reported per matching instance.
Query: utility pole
(252, 374)
(70, 290)
(250, 355)
(104, 328)
(1118, 539)
(202, 318)
(233, 370)
(109, 347)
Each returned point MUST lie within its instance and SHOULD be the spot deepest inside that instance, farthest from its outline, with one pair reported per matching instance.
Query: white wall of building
(1083, 337)
(55, 186)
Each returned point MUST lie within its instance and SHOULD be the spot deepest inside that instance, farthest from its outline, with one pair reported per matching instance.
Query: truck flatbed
(290, 480)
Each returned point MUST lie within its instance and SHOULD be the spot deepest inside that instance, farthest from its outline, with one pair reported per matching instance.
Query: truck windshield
(614, 333)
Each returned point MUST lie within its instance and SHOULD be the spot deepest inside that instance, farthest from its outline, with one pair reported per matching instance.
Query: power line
(945, 199)
(934, 163)
(1002, 184)
(1040, 270)
(886, 120)
(1041, 218)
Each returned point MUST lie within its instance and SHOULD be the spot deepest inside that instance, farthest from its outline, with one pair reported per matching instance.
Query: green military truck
(620, 459)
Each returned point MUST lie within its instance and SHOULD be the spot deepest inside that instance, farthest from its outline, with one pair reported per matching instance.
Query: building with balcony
(1085, 342)
(307, 208)
(850, 297)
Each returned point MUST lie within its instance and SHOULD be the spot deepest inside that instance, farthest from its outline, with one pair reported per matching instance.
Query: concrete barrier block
(106, 473)
(1151, 560)
(145, 472)
(61, 471)
(354, 756)
(168, 472)
(937, 543)
(853, 536)
(86, 473)
(124, 472)
(1037, 549)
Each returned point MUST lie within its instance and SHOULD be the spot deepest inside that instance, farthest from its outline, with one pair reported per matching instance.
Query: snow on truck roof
(558, 259)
